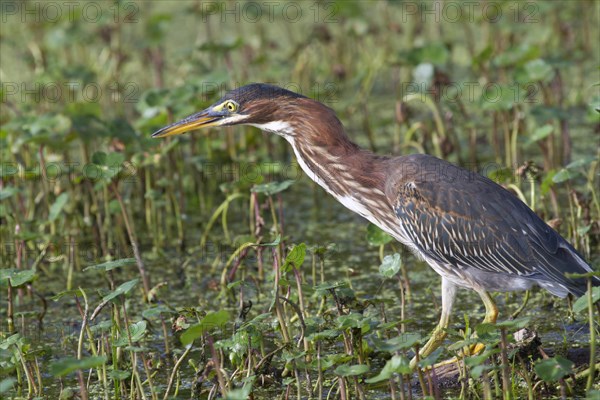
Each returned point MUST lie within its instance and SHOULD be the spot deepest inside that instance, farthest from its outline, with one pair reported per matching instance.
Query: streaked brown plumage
(469, 229)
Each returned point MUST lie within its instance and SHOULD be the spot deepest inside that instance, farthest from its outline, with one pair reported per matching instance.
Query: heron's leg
(439, 333)
(491, 314)
(491, 310)
(522, 307)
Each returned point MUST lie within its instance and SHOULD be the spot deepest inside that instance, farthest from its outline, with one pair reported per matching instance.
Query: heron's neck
(354, 176)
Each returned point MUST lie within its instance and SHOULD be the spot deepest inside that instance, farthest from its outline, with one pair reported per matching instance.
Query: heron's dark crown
(259, 91)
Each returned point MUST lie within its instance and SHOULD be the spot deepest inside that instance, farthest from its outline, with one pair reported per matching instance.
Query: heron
(472, 231)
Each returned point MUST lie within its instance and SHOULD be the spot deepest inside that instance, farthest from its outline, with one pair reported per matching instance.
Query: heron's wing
(461, 218)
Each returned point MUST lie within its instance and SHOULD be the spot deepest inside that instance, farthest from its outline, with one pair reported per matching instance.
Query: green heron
(470, 230)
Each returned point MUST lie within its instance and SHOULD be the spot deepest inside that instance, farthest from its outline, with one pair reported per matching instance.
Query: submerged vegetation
(208, 266)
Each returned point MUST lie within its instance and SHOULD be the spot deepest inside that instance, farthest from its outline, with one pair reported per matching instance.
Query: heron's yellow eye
(231, 106)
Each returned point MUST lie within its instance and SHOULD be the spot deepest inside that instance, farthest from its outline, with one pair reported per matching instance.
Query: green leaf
(211, 321)
(390, 265)
(498, 97)
(22, 277)
(11, 340)
(272, 188)
(7, 192)
(351, 370)
(564, 175)
(60, 295)
(539, 134)
(108, 165)
(401, 342)
(330, 285)
(582, 162)
(295, 257)
(483, 56)
(516, 55)
(553, 369)
(240, 394)
(156, 311)
(119, 375)
(57, 207)
(7, 384)
(136, 331)
(518, 323)
(325, 334)
(122, 289)
(547, 182)
(271, 244)
(478, 370)
(487, 332)
(67, 365)
(110, 265)
(539, 70)
(377, 237)
(582, 303)
(398, 364)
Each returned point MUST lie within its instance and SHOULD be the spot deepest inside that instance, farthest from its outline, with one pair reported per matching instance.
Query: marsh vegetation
(208, 266)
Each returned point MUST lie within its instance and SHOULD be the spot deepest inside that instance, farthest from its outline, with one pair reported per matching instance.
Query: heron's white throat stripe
(281, 128)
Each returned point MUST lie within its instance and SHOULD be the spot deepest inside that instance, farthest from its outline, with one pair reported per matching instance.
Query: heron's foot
(475, 349)
(471, 350)
(437, 338)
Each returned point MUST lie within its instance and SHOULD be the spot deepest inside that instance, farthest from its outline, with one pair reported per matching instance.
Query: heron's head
(268, 107)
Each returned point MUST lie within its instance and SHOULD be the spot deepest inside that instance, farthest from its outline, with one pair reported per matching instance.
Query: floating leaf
(65, 366)
(390, 265)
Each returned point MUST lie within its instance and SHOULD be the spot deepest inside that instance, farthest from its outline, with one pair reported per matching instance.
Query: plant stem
(133, 241)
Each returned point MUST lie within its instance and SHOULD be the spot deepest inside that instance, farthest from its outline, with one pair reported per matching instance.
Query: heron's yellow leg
(522, 307)
(491, 314)
(439, 333)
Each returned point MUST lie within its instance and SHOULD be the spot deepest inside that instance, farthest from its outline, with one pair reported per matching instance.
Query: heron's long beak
(205, 118)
